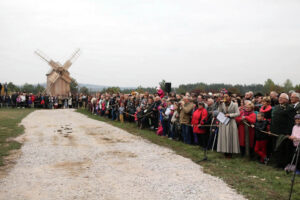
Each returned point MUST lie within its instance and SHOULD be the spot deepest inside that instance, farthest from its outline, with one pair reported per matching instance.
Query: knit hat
(297, 116)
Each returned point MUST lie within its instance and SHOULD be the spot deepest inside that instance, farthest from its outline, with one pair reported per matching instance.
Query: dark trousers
(165, 125)
(186, 133)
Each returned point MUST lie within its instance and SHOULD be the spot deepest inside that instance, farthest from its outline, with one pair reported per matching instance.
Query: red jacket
(32, 98)
(160, 93)
(199, 116)
(250, 119)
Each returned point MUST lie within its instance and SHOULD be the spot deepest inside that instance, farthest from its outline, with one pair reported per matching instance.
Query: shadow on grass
(248, 177)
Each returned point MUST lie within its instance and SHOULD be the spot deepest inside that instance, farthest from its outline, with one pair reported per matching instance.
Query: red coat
(250, 119)
(199, 116)
(160, 93)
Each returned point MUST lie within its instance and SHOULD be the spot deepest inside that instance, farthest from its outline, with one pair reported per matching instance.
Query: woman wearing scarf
(249, 117)
(228, 140)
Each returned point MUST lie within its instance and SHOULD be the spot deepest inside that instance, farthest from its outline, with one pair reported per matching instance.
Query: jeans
(186, 133)
(165, 126)
(113, 114)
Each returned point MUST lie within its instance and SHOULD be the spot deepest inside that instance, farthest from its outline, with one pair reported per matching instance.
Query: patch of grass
(9, 128)
(251, 179)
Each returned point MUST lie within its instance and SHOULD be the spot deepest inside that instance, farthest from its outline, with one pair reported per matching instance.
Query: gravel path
(69, 156)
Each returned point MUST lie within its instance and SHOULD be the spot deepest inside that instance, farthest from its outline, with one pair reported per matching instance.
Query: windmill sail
(58, 78)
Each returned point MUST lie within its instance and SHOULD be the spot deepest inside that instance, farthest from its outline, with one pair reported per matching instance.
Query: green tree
(288, 85)
(28, 88)
(73, 86)
(84, 90)
(234, 90)
(162, 85)
(39, 89)
(112, 90)
(297, 88)
(140, 89)
(12, 87)
(269, 86)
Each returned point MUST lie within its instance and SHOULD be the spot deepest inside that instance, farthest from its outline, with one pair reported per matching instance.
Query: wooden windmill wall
(60, 87)
(58, 78)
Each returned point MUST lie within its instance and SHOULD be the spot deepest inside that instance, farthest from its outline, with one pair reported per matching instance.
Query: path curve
(67, 155)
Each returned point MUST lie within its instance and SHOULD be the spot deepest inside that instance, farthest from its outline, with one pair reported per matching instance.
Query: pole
(294, 174)
(247, 142)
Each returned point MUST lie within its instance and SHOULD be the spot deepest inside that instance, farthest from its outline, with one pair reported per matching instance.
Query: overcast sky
(141, 42)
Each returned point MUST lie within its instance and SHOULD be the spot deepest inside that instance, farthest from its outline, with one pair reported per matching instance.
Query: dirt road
(69, 156)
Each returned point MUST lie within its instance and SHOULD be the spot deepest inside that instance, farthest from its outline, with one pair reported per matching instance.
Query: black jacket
(283, 119)
(261, 126)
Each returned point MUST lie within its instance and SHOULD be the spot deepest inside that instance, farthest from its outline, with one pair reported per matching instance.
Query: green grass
(251, 179)
(9, 128)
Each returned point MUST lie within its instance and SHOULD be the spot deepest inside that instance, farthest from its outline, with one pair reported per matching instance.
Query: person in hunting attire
(228, 140)
(282, 124)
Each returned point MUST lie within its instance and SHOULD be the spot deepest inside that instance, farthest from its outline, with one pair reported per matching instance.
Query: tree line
(268, 86)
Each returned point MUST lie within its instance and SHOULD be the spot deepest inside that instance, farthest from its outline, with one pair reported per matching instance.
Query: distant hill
(93, 87)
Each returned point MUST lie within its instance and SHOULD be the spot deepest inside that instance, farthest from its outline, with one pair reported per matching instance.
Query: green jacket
(282, 119)
(186, 113)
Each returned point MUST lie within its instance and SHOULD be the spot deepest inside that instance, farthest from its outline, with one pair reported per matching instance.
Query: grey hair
(286, 96)
(296, 94)
(210, 99)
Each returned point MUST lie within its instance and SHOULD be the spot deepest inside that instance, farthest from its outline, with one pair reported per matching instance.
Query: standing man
(5, 88)
(185, 115)
(295, 98)
(274, 98)
(282, 124)
(0, 89)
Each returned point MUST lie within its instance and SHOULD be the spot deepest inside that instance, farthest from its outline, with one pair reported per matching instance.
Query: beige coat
(228, 140)
(186, 113)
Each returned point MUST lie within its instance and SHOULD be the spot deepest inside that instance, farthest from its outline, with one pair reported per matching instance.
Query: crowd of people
(29, 100)
(263, 127)
(258, 126)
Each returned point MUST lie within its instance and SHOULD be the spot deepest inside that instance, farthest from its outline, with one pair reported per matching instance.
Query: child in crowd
(261, 138)
(296, 131)
(121, 112)
(295, 137)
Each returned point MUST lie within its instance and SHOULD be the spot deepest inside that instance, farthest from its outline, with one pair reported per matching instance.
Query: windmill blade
(42, 55)
(72, 59)
(53, 79)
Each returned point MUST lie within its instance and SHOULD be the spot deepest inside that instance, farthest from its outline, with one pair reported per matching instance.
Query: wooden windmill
(58, 78)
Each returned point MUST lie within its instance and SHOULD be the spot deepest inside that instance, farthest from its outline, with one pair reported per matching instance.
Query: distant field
(9, 120)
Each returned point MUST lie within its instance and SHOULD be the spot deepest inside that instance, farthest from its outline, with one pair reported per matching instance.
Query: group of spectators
(263, 127)
(29, 100)
(254, 123)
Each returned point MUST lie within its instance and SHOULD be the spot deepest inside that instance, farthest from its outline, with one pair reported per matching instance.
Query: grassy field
(9, 120)
(253, 180)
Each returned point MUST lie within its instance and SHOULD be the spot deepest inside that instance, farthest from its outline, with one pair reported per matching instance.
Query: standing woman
(228, 140)
(199, 117)
(249, 117)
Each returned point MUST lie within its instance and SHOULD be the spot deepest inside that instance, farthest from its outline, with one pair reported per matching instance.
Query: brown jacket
(186, 113)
